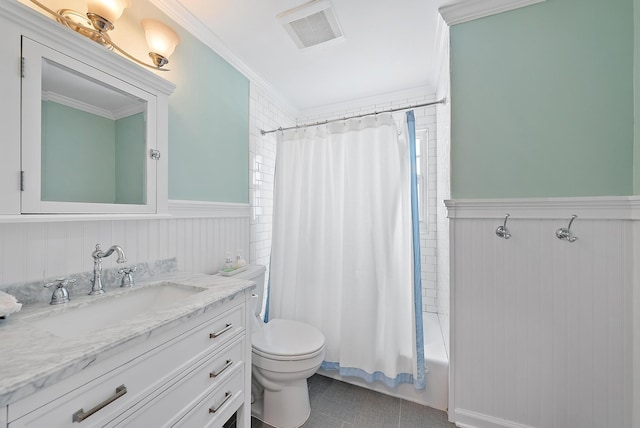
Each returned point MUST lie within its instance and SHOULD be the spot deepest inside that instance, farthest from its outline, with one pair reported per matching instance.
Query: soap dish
(233, 272)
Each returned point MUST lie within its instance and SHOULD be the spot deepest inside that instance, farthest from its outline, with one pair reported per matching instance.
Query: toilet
(284, 355)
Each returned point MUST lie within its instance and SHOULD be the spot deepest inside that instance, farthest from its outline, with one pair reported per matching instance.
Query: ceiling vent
(312, 24)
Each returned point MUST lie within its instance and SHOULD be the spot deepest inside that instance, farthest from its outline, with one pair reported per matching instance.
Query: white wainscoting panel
(33, 251)
(541, 329)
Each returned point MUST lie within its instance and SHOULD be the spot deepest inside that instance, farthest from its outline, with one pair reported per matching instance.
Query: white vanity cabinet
(197, 371)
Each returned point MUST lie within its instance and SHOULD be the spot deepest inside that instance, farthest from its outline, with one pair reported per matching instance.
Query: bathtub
(437, 367)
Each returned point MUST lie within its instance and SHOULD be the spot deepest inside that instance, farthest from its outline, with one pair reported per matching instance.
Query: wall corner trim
(468, 10)
(200, 209)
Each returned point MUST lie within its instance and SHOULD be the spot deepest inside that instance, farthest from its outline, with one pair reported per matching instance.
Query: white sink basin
(107, 309)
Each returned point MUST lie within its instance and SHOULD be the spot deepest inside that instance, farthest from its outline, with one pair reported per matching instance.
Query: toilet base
(286, 408)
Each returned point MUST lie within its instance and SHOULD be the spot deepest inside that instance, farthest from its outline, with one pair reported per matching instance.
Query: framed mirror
(86, 137)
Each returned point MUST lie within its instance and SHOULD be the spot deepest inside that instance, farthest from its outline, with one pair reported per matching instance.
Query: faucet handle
(60, 293)
(127, 279)
(60, 282)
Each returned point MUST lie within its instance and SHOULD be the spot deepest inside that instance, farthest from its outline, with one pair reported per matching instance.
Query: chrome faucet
(98, 255)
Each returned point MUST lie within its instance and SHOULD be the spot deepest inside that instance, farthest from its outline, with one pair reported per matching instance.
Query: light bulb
(161, 39)
(110, 10)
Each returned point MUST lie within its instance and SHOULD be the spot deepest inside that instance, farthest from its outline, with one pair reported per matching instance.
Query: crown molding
(78, 105)
(178, 13)
(594, 208)
(92, 109)
(468, 10)
(198, 209)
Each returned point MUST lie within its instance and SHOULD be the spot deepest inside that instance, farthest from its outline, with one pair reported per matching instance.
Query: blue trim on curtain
(369, 377)
(268, 291)
(419, 381)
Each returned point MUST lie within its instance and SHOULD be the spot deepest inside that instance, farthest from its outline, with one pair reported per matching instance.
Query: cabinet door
(86, 138)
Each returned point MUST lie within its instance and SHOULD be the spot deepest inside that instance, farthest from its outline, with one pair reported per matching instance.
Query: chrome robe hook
(502, 231)
(565, 233)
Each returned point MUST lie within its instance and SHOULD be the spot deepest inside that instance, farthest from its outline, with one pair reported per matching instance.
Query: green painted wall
(98, 151)
(77, 149)
(130, 159)
(542, 101)
(208, 127)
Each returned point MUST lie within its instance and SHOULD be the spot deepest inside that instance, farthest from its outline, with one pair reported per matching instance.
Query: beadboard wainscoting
(541, 328)
(198, 234)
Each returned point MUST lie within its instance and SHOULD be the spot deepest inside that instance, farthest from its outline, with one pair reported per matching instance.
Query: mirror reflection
(93, 140)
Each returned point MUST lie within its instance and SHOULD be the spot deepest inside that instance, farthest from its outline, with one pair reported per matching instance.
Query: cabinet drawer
(163, 409)
(141, 376)
(218, 406)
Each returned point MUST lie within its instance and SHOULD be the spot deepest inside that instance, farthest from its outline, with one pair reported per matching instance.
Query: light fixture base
(81, 23)
(99, 23)
(158, 59)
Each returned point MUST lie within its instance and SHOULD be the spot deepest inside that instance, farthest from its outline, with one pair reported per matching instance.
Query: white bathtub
(437, 378)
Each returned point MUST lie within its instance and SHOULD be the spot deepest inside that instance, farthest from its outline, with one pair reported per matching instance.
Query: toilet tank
(255, 273)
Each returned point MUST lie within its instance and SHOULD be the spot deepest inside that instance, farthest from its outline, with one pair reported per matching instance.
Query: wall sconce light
(101, 14)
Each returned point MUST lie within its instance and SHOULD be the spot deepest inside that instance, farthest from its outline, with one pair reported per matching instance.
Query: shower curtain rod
(442, 101)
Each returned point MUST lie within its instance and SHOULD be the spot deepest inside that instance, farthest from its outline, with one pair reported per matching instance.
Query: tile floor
(336, 404)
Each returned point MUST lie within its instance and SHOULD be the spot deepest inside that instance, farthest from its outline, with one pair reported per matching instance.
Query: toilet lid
(287, 338)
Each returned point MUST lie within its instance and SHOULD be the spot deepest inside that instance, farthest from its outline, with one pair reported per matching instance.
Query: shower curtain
(342, 255)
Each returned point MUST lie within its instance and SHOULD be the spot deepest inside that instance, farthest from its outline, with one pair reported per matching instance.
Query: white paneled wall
(541, 328)
(425, 119)
(34, 251)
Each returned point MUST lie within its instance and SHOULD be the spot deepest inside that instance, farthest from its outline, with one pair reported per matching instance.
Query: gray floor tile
(357, 406)
(414, 415)
(320, 420)
(336, 404)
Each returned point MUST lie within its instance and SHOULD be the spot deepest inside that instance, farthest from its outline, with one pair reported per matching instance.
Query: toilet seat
(286, 340)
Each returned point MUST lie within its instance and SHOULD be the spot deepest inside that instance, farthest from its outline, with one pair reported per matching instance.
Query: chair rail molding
(199, 209)
(468, 10)
(595, 208)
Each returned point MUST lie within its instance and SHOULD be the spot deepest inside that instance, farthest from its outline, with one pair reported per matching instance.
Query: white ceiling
(388, 47)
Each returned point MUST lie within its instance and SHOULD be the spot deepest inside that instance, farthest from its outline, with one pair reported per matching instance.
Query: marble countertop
(33, 358)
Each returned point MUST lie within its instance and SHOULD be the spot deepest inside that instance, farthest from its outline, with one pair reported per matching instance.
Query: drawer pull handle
(227, 395)
(224, 330)
(81, 415)
(219, 372)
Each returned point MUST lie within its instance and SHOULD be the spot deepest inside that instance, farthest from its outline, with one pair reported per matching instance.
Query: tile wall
(266, 112)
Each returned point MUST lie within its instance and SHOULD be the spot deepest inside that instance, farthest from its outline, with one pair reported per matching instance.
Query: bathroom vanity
(182, 358)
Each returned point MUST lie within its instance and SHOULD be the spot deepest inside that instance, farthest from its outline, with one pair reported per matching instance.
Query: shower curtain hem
(390, 382)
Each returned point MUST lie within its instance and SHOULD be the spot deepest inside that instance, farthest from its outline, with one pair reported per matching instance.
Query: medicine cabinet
(86, 138)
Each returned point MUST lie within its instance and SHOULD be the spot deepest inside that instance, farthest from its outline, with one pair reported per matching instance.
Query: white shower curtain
(341, 256)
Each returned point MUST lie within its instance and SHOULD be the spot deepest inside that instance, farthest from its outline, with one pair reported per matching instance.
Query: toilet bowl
(284, 355)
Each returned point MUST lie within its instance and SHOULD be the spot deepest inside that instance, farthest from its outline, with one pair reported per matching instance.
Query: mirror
(86, 136)
(93, 140)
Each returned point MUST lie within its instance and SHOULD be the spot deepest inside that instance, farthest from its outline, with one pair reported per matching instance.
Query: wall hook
(565, 233)
(502, 231)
